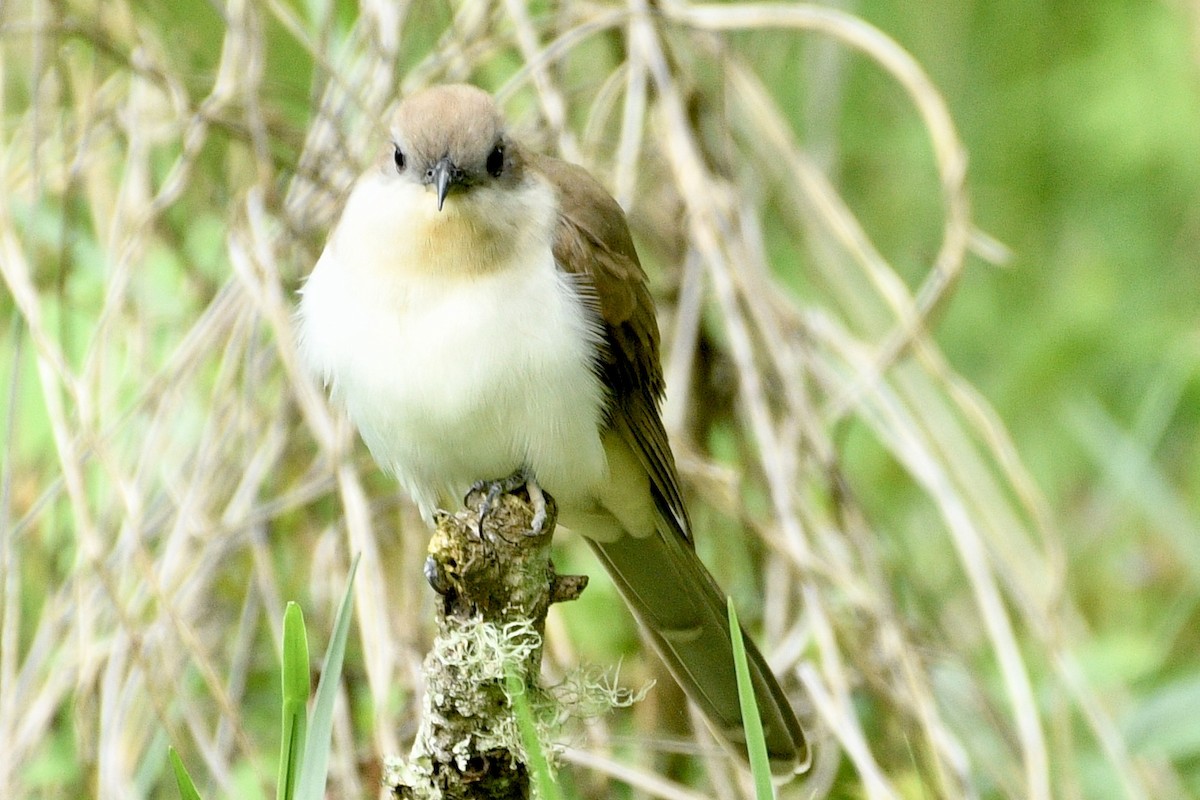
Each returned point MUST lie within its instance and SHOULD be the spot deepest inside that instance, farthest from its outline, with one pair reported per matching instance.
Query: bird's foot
(538, 501)
(492, 490)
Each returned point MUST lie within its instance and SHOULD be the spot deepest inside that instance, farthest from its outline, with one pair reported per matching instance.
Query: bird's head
(452, 192)
(451, 139)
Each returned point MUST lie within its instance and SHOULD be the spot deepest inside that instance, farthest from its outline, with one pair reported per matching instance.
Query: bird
(480, 313)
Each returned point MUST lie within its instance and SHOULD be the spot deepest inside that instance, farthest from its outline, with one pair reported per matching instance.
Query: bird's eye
(495, 161)
(399, 158)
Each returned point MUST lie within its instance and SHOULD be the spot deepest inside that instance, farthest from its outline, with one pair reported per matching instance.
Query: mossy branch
(496, 583)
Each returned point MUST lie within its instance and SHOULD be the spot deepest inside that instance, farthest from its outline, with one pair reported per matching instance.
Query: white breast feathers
(454, 343)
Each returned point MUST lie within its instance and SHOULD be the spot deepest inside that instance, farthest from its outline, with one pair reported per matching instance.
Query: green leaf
(187, 789)
(315, 767)
(756, 740)
(296, 686)
(539, 768)
(296, 683)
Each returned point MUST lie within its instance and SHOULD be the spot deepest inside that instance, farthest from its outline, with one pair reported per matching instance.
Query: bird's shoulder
(592, 239)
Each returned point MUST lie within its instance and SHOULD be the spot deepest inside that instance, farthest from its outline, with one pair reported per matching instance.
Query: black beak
(444, 173)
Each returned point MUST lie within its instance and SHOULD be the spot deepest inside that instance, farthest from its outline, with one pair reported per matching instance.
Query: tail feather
(684, 612)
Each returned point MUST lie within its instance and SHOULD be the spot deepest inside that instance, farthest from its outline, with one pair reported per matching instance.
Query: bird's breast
(453, 378)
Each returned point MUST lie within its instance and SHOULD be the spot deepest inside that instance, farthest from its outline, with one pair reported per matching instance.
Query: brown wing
(679, 604)
(593, 241)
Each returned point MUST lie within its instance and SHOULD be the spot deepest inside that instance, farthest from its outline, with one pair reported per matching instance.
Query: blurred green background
(1082, 121)
(1082, 125)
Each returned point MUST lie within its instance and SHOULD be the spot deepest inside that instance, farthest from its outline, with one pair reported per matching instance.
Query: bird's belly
(473, 380)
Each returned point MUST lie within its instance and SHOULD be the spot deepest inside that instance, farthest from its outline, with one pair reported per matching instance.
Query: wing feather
(592, 241)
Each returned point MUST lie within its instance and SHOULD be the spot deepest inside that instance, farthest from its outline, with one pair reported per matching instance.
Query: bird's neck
(395, 227)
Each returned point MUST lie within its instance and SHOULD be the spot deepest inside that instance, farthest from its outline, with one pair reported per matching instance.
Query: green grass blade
(756, 741)
(539, 768)
(296, 687)
(315, 767)
(187, 789)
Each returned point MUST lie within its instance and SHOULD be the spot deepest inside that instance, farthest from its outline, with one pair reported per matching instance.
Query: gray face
(452, 138)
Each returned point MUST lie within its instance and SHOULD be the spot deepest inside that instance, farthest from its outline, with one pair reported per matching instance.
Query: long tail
(684, 611)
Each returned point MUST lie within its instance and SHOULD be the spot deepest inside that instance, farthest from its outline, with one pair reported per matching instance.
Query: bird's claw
(538, 500)
(492, 490)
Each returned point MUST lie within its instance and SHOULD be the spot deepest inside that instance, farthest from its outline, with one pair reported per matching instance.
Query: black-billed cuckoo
(480, 312)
